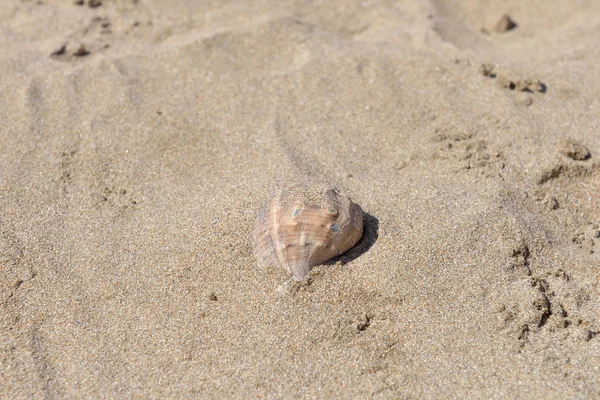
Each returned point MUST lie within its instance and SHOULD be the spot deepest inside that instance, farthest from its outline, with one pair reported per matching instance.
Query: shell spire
(301, 227)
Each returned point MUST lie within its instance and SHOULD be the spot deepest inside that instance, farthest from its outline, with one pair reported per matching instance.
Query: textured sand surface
(140, 138)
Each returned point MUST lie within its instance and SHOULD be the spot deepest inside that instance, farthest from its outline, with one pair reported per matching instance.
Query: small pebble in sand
(59, 52)
(505, 24)
(574, 150)
(81, 52)
(16, 284)
(301, 227)
(487, 69)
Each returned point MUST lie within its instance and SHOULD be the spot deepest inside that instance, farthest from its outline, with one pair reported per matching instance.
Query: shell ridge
(275, 236)
(297, 231)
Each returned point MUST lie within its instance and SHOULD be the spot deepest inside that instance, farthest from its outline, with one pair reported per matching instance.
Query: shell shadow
(368, 239)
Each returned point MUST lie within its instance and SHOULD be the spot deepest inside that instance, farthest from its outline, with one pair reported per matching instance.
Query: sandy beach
(140, 138)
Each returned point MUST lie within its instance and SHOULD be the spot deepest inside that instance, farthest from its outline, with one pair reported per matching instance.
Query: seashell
(301, 227)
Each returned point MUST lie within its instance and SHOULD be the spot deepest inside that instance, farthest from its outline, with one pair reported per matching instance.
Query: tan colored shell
(300, 227)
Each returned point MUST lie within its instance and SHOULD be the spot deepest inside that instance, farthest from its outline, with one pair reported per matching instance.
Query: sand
(139, 140)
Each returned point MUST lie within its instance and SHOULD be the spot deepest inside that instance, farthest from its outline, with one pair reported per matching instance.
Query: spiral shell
(300, 227)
